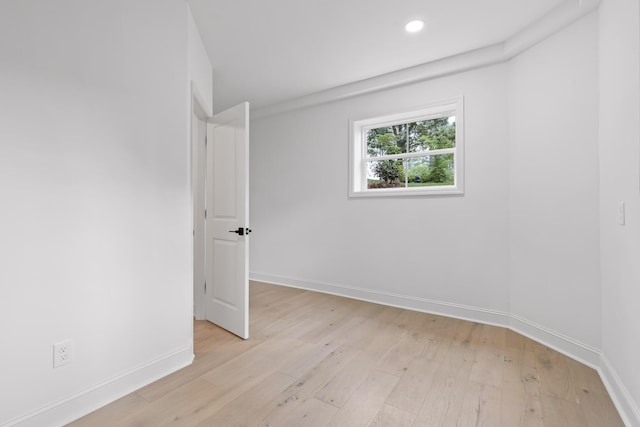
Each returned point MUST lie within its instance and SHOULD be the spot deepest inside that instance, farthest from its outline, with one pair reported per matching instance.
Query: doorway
(198, 189)
(220, 195)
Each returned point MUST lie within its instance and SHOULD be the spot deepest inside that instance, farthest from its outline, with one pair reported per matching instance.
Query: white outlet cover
(62, 353)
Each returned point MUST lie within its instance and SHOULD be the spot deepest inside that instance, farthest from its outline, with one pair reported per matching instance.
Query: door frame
(198, 176)
(199, 112)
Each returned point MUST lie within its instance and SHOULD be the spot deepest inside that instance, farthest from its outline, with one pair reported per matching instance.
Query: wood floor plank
(520, 389)
(390, 315)
(203, 363)
(514, 340)
(490, 352)
(397, 359)
(553, 373)
(325, 370)
(304, 387)
(410, 392)
(255, 363)
(584, 377)
(592, 396)
(598, 409)
(489, 356)
(366, 402)
(492, 338)
(444, 399)
(443, 327)
(315, 359)
(330, 320)
(344, 384)
(285, 326)
(562, 412)
(310, 412)
(113, 413)
(252, 406)
(389, 416)
(186, 405)
(442, 335)
(341, 387)
(264, 295)
(480, 406)
(434, 348)
(368, 310)
(415, 321)
(467, 333)
(332, 342)
(210, 336)
(460, 353)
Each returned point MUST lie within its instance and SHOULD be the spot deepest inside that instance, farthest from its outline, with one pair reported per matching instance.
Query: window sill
(408, 192)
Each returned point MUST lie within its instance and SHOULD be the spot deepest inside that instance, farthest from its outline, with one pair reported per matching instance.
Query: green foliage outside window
(416, 137)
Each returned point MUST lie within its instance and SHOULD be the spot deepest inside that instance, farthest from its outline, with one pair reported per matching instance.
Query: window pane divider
(411, 155)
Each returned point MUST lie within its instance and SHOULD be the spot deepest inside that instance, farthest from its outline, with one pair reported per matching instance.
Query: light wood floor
(322, 360)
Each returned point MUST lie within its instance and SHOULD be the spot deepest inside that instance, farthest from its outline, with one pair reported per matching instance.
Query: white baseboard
(581, 352)
(73, 407)
(458, 311)
(627, 408)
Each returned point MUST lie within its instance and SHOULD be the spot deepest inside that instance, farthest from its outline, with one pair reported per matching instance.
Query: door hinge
(205, 140)
(205, 214)
(205, 287)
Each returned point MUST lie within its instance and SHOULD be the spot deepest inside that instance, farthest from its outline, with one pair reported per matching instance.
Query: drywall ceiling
(267, 52)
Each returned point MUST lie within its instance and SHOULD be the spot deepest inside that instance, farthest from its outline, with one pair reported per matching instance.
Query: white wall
(95, 229)
(200, 68)
(620, 181)
(201, 78)
(554, 264)
(447, 249)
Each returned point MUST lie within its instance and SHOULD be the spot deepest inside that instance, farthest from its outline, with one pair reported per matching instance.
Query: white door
(227, 223)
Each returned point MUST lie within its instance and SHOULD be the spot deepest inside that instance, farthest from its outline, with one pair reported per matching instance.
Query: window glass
(413, 153)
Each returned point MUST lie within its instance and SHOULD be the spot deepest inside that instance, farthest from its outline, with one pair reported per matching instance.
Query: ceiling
(267, 52)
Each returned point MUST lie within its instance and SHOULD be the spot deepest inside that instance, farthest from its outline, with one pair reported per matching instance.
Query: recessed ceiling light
(414, 26)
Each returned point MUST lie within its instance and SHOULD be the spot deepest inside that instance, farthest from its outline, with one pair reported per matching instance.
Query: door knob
(241, 231)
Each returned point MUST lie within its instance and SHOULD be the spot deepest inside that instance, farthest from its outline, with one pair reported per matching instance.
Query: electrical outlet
(62, 353)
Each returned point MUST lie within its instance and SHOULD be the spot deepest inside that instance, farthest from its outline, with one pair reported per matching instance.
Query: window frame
(358, 150)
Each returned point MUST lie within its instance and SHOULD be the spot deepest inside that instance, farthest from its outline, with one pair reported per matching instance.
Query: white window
(419, 152)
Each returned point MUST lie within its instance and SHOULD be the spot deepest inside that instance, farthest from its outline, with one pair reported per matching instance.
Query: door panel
(226, 187)
(225, 255)
(227, 294)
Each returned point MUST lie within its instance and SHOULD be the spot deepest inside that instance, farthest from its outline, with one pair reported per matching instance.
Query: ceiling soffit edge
(557, 19)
